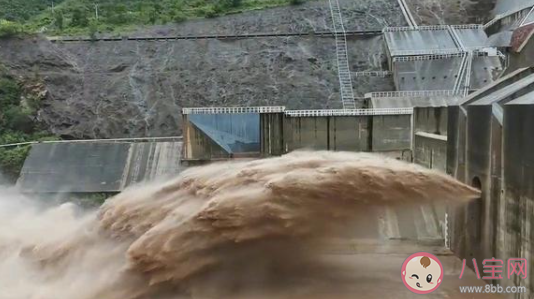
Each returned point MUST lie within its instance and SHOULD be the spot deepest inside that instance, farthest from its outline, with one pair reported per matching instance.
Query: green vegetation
(9, 29)
(23, 10)
(18, 109)
(89, 17)
(89, 200)
(296, 2)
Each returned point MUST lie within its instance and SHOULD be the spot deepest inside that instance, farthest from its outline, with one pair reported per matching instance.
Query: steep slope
(451, 12)
(128, 88)
(113, 89)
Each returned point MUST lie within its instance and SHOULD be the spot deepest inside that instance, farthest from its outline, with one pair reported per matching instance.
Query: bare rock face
(135, 89)
(451, 12)
(129, 88)
(35, 56)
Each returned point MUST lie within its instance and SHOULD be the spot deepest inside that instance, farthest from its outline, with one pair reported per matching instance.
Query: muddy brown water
(249, 229)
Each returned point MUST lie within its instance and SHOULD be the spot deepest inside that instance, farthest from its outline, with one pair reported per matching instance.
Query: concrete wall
(349, 133)
(437, 74)
(337, 133)
(386, 134)
(307, 133)
(477, 223)
(440, 74)
(272, 134)
(281, 133)
(431, 120)
(498, 159)
(456, 135)
(391, 133)
(474, 149)
(518, 158)
(430, 152)
(430, 137)
(430, 147)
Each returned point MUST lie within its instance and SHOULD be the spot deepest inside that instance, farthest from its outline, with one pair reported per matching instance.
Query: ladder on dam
(344, 74)
(468, 71)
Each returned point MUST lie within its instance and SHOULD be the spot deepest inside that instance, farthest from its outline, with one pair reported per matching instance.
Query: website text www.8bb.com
(493, 289)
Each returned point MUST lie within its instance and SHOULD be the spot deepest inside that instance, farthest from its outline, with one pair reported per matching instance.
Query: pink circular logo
(422, 273)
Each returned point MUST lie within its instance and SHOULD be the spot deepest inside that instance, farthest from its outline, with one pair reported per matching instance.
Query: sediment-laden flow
(214, 229)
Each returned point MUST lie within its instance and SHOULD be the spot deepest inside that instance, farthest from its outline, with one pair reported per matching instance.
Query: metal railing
(235, 110)
(425, 52)
(452, 30)
(428, 57)
(419, 28)
(461, 73)
(501, 16)
(468, 26)
(462, 82)
(411, 93)
(344, 74)
(111, 140)
(468, 72)
(457, 39)
(381, 74)
(349, 112)
(475, 53)
(524, 22)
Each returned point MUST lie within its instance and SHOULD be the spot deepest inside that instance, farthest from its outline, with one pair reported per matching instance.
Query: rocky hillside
(451, 12)
(128, 88)
(114, 89)
(133, 89)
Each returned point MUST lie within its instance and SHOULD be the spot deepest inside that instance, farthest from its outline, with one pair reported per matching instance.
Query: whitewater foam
(215, 228)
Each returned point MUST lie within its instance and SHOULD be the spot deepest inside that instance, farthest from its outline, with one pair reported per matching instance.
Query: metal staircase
(468, 72)
(407, 14)
(460, 75)
(345, 79)
(463, 81)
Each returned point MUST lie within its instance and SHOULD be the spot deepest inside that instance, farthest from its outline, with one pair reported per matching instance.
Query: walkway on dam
(329, 34)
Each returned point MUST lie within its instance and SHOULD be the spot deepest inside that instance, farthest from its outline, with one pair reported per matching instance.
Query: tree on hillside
(118, 14)
(8, 29)
(235, 3)
(158, 7)
(79, 18)
(93, 29)
(58, 20)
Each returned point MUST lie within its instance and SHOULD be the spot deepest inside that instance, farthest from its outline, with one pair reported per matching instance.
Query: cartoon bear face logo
(422, 273)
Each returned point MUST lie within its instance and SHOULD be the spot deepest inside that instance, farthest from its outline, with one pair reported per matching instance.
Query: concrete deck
(372, 271)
